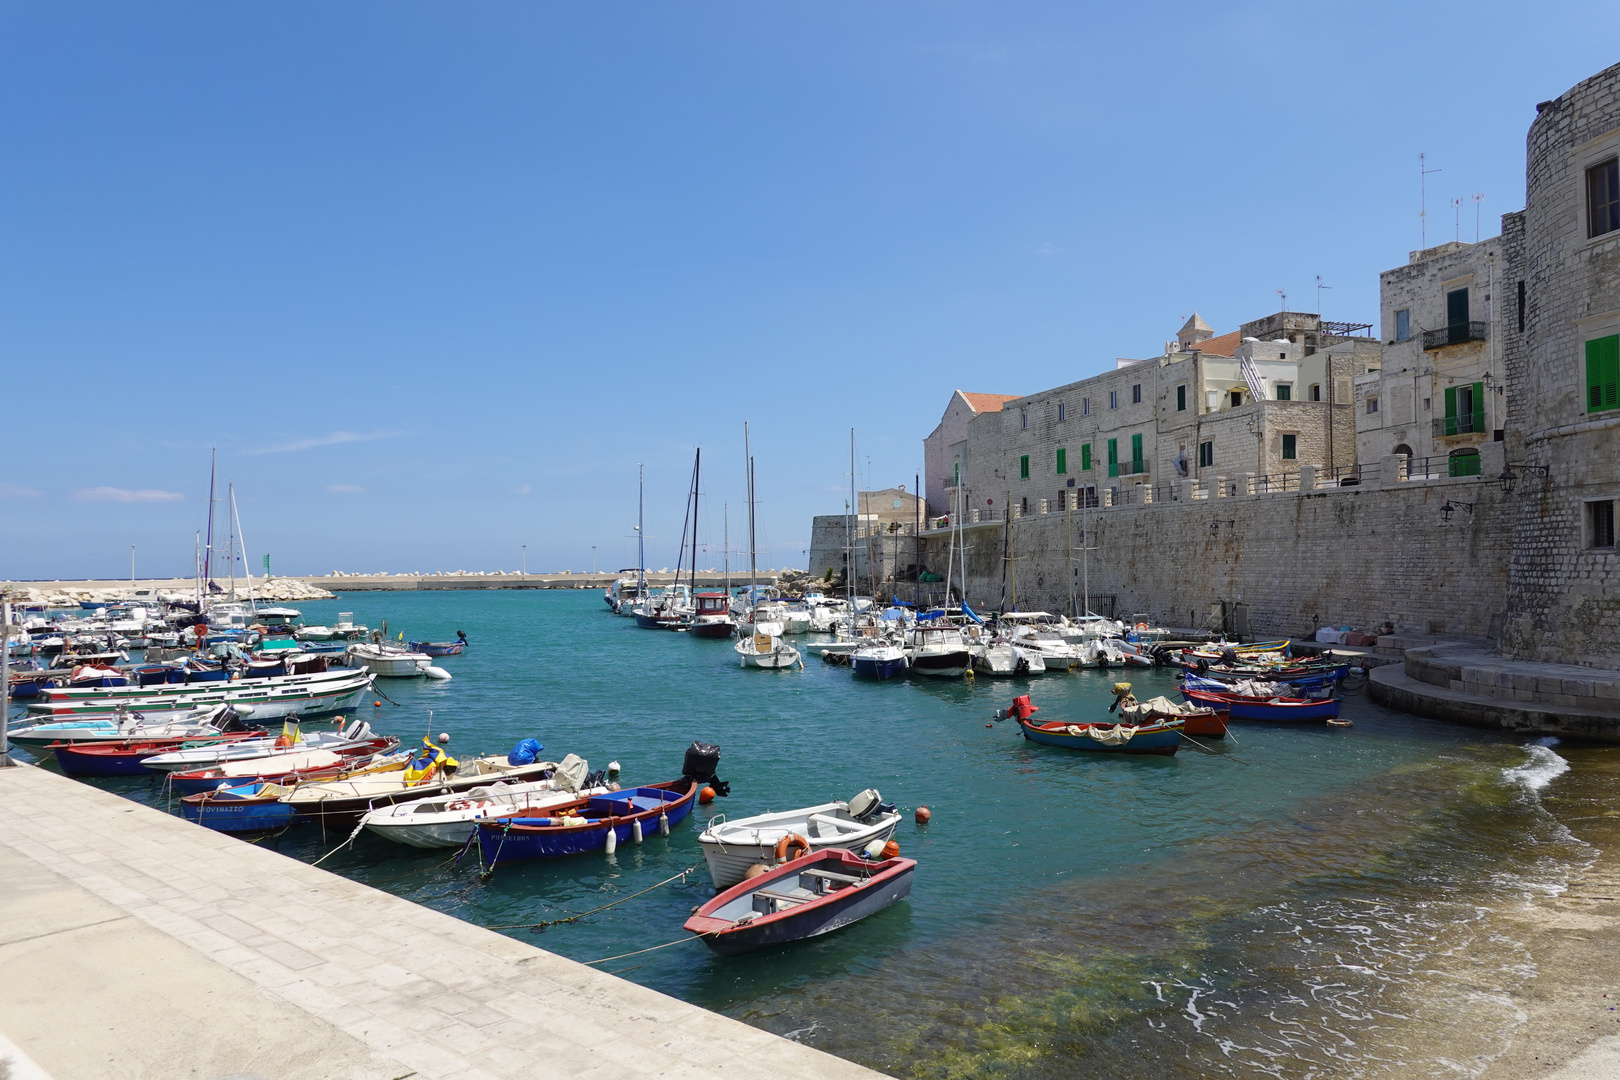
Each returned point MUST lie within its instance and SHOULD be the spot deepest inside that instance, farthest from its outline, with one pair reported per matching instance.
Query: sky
(434, 279)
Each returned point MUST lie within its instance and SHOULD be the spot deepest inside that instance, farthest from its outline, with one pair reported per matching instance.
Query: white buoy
(663, 824)
(612, 843)
(435, 672)
(635, 830)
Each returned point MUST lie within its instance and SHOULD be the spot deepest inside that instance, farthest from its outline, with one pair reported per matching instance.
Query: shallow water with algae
(1300, 902)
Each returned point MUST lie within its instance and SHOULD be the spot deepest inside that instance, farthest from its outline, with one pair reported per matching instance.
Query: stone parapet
(1393, 686)
(1479, 672)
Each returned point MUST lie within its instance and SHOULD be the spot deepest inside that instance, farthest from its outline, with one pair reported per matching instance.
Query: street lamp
(1508, 478)
(525, 560)
(593, 558)
(1451, 508)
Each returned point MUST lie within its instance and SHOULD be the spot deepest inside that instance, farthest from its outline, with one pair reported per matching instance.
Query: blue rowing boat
(245, 808)
(585, 824)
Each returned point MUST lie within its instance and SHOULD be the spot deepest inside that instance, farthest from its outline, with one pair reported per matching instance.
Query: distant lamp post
(1508, 478)
(1451, 508)
(593, 558)
(525, 560)
(132, 564)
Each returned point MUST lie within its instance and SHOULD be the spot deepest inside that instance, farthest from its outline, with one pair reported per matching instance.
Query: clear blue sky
(435, 277)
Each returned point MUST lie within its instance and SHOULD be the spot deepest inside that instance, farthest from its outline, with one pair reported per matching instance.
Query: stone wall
(1564, 592)
(1360, 556)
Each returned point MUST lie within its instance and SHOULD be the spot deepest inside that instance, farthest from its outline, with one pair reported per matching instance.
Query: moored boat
(731, 847)
(805, 898)
(589, 824)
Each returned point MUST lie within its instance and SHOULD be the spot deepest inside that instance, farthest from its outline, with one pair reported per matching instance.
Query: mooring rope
(539, 926)
(654, 948)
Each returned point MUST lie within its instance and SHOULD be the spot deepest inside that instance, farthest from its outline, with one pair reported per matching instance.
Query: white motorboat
(394, 662)
(1005, 658)
(763, 646)
(201, 757)
(130, 727)
(795, 617)
(447, 819)
(1041, 637)
(1131, 652)
(939, 649)
(825, 611)
(880, 658)
(344, 630)
(731, 847)
(263, 699)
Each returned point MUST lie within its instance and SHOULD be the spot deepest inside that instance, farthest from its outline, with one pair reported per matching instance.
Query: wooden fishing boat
(129, 758)
(1285, 710)
(243, 808)
(731, 847)
(713, 616)
(805, 898)
(295, 765)
(342, 802)
(1159, 737)
(438, 648)
(586, 824)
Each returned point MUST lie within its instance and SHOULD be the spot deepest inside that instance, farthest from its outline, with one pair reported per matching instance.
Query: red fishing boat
(713, 616)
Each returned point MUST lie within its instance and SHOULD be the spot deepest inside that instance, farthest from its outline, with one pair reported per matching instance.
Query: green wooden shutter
(1113, 457)
(1451, 410)
(1603, 374)
(1085, 457)
(1479, 407)
(1136, 453)
(1062, 461)
(1023, 467)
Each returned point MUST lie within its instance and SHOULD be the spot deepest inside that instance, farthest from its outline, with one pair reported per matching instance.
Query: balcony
(1455, 334)
(949, 481)
(1129, 468)
(1466, 424)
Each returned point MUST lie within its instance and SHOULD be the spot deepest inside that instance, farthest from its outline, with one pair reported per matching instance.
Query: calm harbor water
(1300, 903)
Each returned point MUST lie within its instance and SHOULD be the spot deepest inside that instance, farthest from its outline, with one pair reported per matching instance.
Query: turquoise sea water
(1302, 902)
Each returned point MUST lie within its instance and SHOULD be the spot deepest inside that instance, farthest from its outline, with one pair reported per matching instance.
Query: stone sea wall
(1362, 556)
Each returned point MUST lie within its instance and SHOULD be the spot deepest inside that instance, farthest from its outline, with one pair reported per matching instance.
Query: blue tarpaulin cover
(524, 752)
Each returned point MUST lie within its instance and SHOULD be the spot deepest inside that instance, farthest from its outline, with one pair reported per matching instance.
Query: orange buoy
(755, 870)
(891, 849)
(377, 703)
(923, 815)
(706, 796)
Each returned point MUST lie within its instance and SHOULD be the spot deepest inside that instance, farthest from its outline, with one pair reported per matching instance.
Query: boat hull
(729, 862)
(219, 811)
(1161, 739)
(510, 840)
(889, 883)
(942, 665)
(438, 648)
(873, 667)
(711, 629)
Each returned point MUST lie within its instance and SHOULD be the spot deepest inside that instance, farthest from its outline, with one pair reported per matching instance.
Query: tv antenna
(1319, 288)
(1456, 219)
(1423, 197)
(1282, 297)
(1478, 198)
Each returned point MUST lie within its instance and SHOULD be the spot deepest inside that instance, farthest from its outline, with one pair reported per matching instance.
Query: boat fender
(793, 846)
(435, 673)
(663, 824)
(874, 850)
(611, 844)
(635, 830)
(891, 849)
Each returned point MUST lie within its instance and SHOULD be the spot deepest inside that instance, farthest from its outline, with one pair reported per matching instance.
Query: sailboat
(671, 608)
(713, 617)
(765, 646)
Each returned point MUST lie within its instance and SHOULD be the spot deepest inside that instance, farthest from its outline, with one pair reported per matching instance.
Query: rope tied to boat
(361, 825)
(538, 927)
(653, 948)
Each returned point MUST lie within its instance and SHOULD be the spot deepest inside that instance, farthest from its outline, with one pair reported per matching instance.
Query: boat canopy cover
(969, 613)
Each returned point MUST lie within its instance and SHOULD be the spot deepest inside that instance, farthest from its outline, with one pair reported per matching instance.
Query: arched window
(1463, 463)
(1403, 450)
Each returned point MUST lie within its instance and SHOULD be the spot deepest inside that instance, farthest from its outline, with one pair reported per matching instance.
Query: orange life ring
(1141, 626)
(282, 742)
(792, 842)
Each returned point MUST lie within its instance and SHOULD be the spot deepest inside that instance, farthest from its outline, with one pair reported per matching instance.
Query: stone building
(880, 532)
(945, 451)
(1233, 406)
(1562, 352)
(1438, 392)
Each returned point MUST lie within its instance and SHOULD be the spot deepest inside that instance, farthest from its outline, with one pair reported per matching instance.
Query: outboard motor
(869, 805)
(701, 760)
(1020, 708)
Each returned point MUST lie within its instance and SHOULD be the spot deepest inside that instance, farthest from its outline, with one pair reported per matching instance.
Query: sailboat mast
(725, 523)
(641, 533)
(230, 529)
(697, 475)
(247, 567)
(208, 549)
(849, 530)
(916, 541)
(748, 459)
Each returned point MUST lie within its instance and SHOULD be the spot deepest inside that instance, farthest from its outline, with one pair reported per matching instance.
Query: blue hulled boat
(1161, 737)
(585, 824)
(246, 808)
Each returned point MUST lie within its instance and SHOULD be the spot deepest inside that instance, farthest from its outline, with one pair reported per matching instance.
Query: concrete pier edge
(134, 944)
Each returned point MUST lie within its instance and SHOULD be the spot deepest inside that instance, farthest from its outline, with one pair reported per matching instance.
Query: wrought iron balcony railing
(1455, 334)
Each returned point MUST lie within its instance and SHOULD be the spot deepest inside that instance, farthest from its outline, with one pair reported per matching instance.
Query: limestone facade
(1560, 345)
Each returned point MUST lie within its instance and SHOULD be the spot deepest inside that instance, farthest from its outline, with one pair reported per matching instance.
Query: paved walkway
(135, 945)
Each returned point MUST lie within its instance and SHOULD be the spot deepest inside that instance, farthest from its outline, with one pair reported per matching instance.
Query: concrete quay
(135, 945)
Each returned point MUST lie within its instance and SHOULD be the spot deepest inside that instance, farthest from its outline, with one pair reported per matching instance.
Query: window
(1136, 393)
(1372, 405)
(1465, 409)
(1023, 420)
(1113, 457)
(1206, 454)
(1600, 524)
(1285, 391)
(1062, 500)
(1521, 307)
(1603, 198)
(1062, 461)
(1290, 449)
(1428, 404)
(1403, 450)
(1181, 398)
(1023, 505)
(1603, 374)
(1023, 467)
(1085, 457)
(1463, 463)
(1403, 324)
(1136, 454)
(1316, 391)
(1113, 399)
(1237, 398)
(1457, 307)
(1085, 406)
(1061, 413)
(898, 504)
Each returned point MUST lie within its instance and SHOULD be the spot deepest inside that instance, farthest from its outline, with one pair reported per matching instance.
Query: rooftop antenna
(1456, 219)
(1478, 198)
(1423, 196)
(1319, 288)
(1282, 296)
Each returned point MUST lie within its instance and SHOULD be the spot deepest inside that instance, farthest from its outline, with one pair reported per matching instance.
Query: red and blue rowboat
(438, 648)
(526, 835)
(124, 759)
(1272, 710)
(1160, 737)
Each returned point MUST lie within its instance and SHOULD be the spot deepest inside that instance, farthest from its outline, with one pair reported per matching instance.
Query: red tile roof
(1225, 345)
(982, 403)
